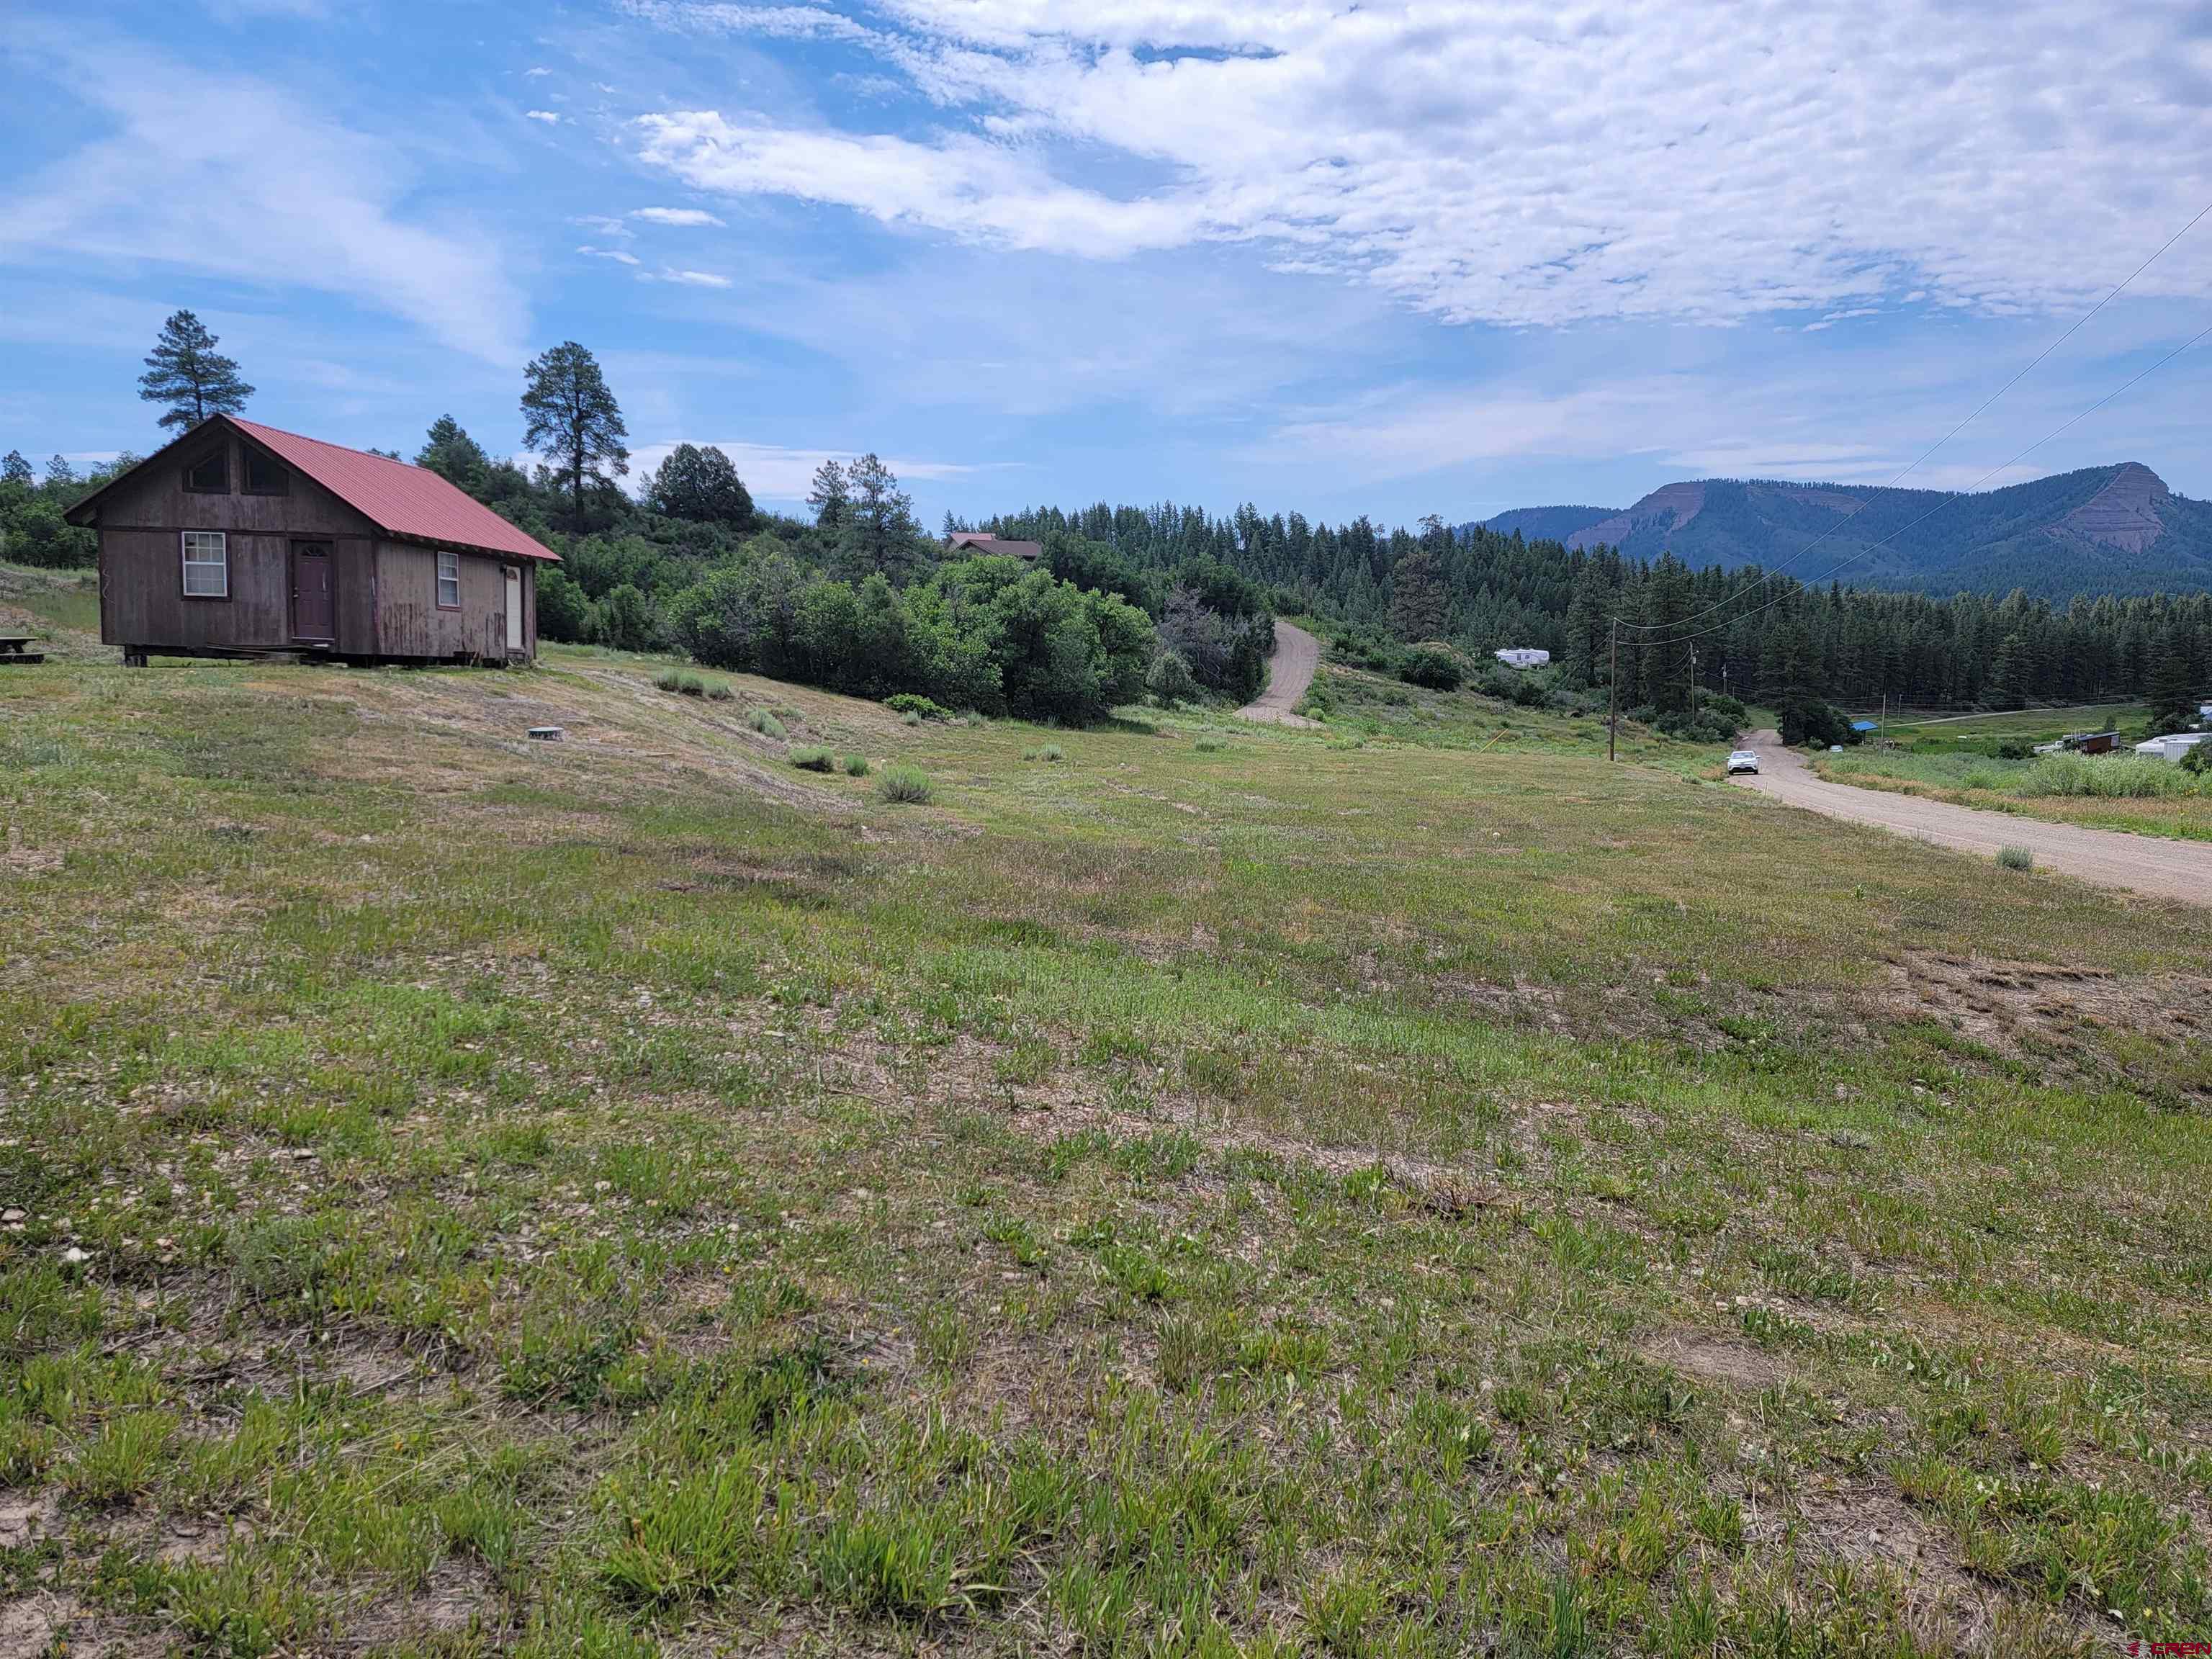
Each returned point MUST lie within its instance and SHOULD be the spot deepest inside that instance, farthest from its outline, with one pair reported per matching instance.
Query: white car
(1743, 760)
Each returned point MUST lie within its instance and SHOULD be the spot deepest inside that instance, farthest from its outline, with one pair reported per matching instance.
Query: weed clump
(1052, 751)
(920, 707)
(856, 766)
(765, 723)
(685, 684)
(1210, 744)
(905, 786)
(720, 691)
(2015, 858)
(814, 758)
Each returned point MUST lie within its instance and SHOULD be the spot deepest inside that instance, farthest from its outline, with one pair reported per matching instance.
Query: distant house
(2204, 713)
(973, 541)
(2093, 742)
(1523, 656)
(239, 539)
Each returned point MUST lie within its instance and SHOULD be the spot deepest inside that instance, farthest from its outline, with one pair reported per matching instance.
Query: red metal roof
(411, 503)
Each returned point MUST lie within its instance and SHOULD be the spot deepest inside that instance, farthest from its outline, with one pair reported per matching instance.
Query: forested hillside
(2102, 530)
(1751, 635)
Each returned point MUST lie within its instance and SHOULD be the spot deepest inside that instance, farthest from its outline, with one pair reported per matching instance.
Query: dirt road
(2110, 857)
(1298, 654)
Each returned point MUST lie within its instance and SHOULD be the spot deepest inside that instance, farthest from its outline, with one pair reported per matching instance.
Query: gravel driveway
(1298, 654)
(2110, 857)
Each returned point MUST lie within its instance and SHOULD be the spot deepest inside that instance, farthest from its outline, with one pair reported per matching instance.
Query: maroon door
(314, 610)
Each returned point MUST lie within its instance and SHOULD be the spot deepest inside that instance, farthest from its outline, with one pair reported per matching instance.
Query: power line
(1876, 547)
(1768, 575)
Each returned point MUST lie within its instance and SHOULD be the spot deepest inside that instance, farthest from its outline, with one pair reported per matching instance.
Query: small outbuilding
(239, 540)
(1523, 656)
(974, 541)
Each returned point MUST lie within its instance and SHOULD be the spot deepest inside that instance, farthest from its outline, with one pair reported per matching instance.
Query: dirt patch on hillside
(1715, 1357)
(2009, 1006)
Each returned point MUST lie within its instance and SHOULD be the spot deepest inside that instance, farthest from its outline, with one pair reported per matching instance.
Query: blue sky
(1395, 259)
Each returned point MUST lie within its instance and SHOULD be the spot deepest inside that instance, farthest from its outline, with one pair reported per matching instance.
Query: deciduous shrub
(1438, 671)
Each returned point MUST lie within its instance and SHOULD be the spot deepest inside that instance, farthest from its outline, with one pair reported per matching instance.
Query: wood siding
(410, 623)
(384, 593)
(141, 597)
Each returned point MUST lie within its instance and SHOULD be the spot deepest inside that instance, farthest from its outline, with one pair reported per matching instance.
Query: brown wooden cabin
(239, 540)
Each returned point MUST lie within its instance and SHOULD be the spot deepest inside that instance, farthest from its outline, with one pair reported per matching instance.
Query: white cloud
(614, 253)
(680, 216)
(694, 278)
(970, 186)
(604, 226)
(549, 117)
(534, 74)
(1526, 162)
(775, 473)
(274, 193)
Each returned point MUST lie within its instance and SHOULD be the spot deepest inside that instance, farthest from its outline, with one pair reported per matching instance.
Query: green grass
(2120, 792)
(1443, 1195)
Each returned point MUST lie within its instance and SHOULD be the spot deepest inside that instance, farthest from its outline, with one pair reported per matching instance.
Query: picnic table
(16, 648)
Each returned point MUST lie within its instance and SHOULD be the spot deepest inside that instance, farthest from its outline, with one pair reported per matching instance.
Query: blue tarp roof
(1861, 726)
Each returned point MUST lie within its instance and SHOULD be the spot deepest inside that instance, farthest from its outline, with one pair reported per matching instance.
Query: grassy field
(2110, 792)
(1395, 1189)
(1982, 735)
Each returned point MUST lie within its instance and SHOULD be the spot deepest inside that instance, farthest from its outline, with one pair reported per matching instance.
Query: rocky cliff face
(1665, 510)
(2125, 514)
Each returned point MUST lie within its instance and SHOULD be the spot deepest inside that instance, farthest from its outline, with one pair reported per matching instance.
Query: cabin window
(264, 476)
(207, 564)
(449, 581)
(209, 474)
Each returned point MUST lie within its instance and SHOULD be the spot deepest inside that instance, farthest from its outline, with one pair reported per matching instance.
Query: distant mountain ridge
(2102, 530)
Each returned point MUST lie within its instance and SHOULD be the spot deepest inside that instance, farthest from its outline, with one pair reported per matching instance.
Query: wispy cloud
(678, 217)
(614, 253)
(693, 278)
(1523, 164)
(550, 117)
(242, 197)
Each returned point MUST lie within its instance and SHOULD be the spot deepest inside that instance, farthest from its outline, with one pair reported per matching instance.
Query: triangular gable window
(209, 474)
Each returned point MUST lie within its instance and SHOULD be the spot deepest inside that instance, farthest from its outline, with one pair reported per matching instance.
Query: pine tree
(1418, 609)
(188, 376)
(829, 495)
(449, 452)
(2171, 695)
(878, 522)
(573, 417)
(14, 469)
(59, 471)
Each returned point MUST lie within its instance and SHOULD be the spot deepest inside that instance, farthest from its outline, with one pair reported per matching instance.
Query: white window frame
(449, 572)
(202, 551)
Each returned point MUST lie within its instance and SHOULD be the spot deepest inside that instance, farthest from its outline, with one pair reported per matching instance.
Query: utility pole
(1693, 685)
(1613, 689)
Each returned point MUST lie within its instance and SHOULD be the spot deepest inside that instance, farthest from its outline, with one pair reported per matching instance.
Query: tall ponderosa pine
(829, 495)
(1419, 607)
(700, 484)
(448, 451)
(880, 533)
(187, 375)
(2171, 693)
(14, 469)
(59, 471)
(573, 418)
